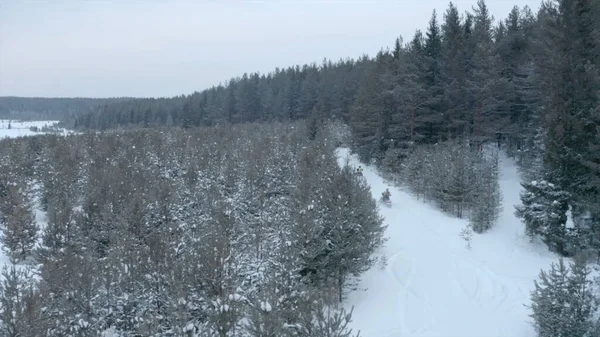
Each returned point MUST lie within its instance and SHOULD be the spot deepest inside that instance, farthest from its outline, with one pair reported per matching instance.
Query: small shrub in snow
(383, 261)
(467, 235)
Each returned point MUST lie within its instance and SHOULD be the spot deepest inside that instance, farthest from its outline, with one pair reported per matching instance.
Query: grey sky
(166, 48)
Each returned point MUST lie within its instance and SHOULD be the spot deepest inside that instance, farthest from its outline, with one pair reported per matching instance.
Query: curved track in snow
(433, 286)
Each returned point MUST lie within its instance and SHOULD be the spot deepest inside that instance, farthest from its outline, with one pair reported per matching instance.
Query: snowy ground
(20, 129)
(433, 285)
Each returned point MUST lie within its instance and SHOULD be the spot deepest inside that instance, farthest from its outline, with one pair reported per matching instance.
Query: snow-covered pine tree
(316, 319)
(458, 178)
(567, 60)
(563, 303)
(267, 313)
(486, 206)
(19, 230)
(544, 213)
(20, 304)
(351, 230)
(413, 171)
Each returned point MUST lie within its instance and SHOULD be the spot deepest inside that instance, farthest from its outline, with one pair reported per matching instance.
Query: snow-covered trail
(433, 285)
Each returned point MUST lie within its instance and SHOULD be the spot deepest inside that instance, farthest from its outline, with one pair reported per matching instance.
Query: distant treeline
(284, 94)
(41, 108)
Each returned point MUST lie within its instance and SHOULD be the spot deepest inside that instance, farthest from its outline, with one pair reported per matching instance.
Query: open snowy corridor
(433, 285)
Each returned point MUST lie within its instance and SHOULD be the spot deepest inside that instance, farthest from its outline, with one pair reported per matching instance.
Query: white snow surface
(21, 128)
(433, 286)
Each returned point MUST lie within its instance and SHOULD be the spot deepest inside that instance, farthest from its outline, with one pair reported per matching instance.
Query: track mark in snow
(405, 283)
(488, 290)
(468, 288)
(434, 286)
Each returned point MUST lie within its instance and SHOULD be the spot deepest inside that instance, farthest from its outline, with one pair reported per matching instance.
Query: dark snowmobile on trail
(385, 198)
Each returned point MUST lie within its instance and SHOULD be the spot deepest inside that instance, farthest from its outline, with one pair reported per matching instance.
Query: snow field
(433, 285)
(21, 129)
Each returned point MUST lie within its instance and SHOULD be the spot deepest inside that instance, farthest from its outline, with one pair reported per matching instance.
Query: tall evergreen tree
(570, 84)
(487, 118)
(454, 75)
(544, 212)
(372, 111)
(432, 112)
(563, 303)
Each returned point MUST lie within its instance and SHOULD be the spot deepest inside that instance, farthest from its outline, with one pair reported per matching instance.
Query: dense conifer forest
(168, 232)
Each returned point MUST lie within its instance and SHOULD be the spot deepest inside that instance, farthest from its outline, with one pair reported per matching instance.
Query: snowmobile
(385, 198)
(386, 201)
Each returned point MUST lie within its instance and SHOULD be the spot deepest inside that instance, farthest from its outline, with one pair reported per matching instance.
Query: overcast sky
(59, 48)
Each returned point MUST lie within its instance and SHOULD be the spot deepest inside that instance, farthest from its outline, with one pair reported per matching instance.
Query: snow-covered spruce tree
(438, 173)
(218, 272)
(336, 226)
(19, 230)
(70, 284)
(392, 163)
(459, 179)
(158, 286)
(530, 159)
(267, 313)
(544, 213)
(458, 188)
(349, 231)
(414, 171)
(317, 319)
(122, 291)
(21, 313)
(339, 132)
(314, 173)
(486, 204)
(566, 57)
(59, 231)
(367, 114)
(563, 303)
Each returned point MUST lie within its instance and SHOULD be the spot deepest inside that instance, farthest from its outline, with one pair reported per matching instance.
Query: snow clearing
(433, 285)
(16, 128)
